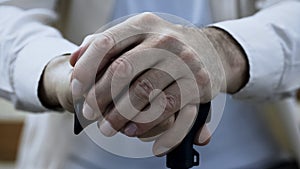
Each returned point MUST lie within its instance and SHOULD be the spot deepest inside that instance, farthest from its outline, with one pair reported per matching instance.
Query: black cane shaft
(184, 156)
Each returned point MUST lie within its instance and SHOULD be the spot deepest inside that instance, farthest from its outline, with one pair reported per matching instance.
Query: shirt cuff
(265, 58)
(29, 67)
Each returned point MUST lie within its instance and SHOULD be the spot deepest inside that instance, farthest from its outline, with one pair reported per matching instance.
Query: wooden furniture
(11, 124)
(9, 141)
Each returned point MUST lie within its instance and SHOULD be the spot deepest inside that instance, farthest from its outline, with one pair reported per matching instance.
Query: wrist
(54, 83)
(232, 57)
(47, 90)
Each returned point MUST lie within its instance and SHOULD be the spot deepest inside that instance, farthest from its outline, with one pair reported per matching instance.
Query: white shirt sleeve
(27, 44)
(271, 41)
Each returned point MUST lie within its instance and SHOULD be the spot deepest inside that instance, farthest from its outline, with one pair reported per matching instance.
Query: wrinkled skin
(166, 70)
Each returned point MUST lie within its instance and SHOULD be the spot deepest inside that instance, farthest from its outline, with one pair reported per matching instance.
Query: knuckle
(148, 17)
(142, 89)
(202, 78)
(166, 39)
(108, 40)
(121, 67)
(146, 20)
(146, 85)
(188, 55)
(105, 41)
(169, 102)
(88, 39)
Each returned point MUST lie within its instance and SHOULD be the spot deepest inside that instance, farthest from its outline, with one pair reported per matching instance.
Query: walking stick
(184, 156)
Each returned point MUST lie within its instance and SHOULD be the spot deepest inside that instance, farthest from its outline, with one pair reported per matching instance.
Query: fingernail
(88, 112)
(130, 130)
(161, 150)
(77, 88)
(106, 129)
(204, 135)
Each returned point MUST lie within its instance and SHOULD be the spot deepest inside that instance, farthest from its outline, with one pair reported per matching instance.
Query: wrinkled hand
(150, 72)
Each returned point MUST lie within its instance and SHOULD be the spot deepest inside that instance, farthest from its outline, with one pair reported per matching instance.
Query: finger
(162, 107)
(171, 138)
(169, 68)
(107, 45)
(119, 75)
(114, 40)
(157, 130)
(124, 111)
(203, 136)
(77, 54)
(96, 58)
(142, 57)
(128, 66)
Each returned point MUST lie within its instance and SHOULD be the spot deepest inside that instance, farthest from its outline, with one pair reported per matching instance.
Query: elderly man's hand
(146, 71)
